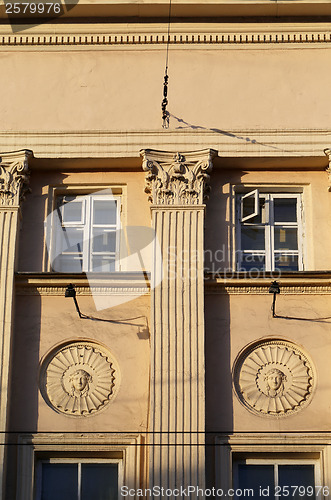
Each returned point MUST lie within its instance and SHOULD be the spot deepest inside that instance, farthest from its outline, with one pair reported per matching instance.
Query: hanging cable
(165, 113)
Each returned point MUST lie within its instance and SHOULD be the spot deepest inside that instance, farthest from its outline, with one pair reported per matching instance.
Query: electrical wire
(165, 113)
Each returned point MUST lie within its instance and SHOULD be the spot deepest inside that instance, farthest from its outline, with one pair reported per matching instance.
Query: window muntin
(86, 233)
(69, 479)
(269, 238)
(278, 475)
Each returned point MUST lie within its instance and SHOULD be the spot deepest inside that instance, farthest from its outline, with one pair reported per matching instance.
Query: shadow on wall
(184, 125)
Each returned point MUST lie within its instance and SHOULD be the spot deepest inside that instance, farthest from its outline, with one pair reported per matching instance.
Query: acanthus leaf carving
(177, 179)
(14, 177)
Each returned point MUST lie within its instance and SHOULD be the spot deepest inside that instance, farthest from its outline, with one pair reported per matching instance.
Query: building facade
(143, 352)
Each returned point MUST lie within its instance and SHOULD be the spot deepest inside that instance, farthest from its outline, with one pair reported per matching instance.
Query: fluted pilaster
(177, 186)
(14, 175)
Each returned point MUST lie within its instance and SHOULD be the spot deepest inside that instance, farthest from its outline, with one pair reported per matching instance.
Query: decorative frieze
(254, 37)
(14, 177)
(274, 378)
(177, 179)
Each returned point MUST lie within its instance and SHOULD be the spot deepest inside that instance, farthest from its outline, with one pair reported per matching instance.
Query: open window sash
(249, 205)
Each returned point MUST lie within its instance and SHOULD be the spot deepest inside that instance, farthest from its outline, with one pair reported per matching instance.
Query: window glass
(85, 234)
(104, 212)
(271, 240)
(103, 240)
(72, 210)
(286, 238)
(286, 262)
(103, 264)
(298, 475)
(252, 238)
(255, 477)
(79, 481)
(59, 481)
(285, 209)
(252, 261)
(99, 482)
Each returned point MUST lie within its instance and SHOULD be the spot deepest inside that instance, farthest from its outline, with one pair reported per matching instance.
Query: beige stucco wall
(43, 323)
(235, 321)
(120, 88)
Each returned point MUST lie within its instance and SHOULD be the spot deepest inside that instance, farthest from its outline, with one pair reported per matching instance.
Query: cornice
(181, 136)
(55, 284)
(312, 284)
(269, 35)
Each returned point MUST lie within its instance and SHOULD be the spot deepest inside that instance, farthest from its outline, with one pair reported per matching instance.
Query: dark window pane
(285, 209)
(249, 208)
(252, 238)
(298, 475)
(286, 238)
(257, 478)
(285, 262)
(99, 482)
(59, 481)
(251, 262)
(104, 212)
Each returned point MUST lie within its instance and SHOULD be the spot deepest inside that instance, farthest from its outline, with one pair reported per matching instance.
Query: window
(269, 231)
(77, 480)
(86, 233)
(278, 478)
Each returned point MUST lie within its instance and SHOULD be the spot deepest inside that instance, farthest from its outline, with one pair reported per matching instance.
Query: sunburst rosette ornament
(274, 378)
(79, 379)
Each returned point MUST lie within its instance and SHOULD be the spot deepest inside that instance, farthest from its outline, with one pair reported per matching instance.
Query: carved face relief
(79, 379)
(274, 378)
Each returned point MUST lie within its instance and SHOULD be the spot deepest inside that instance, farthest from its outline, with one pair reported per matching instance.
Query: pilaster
(14, 176)
(177, 185)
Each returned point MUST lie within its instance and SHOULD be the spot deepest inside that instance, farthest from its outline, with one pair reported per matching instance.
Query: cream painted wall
(233, 322)
(43, 323)
(121, 88)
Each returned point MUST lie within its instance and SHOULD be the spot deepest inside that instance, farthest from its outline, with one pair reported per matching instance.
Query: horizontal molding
(196, 33)
(131, 284)
(181, 136)
(318, 283)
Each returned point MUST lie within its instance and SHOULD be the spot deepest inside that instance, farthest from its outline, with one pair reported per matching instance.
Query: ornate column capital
(177, 178)
(327, 151)
(14, 177)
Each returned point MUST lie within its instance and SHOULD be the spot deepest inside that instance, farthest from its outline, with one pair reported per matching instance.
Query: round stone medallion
(78, 379)
(273, 378)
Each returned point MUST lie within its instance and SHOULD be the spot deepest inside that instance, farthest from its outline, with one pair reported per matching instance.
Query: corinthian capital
(14, 176)
(328, 168)
(175, 178)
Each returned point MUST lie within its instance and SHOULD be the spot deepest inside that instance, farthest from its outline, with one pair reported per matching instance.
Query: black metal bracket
(274, 288)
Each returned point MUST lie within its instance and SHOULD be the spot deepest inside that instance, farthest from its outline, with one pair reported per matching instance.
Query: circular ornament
(273, 378)
(78, 379)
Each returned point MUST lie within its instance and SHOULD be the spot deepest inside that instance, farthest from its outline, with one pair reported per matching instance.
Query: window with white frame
(277, 478)
(86, 233)
(269, 231)
(77, 479)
